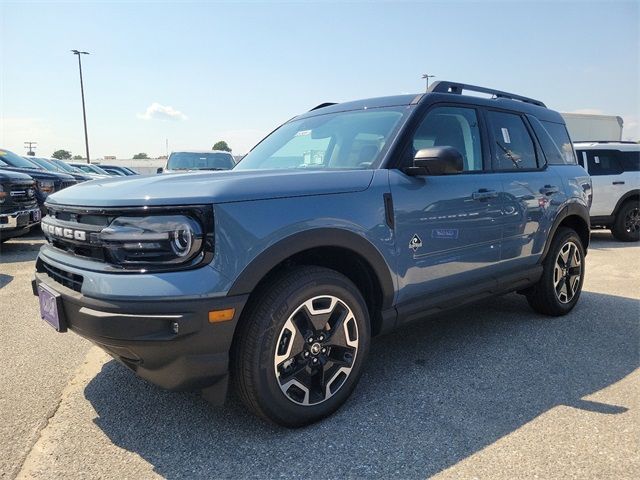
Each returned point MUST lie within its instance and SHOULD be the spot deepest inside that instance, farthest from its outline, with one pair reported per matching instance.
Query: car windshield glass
(200, 161)
(44, 164)
(64, 166)
(14, 160)
(344, 140)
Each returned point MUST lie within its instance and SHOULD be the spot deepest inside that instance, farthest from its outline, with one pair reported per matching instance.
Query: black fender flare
(256, 270)
(630, 194)
(570, 209)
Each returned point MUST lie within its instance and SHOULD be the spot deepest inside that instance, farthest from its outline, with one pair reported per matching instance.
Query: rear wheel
(559, 288)
(301, 348)
(626, 227)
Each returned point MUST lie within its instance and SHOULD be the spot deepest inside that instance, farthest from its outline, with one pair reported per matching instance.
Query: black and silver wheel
(300, 349)
(316, 350)
(626, 227)
(567, 272)
(559, 288)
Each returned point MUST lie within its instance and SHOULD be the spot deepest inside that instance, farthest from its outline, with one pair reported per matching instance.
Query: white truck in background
(587, 127)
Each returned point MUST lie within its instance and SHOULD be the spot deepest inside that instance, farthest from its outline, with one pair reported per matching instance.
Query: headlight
(153, 239)
(46, 186)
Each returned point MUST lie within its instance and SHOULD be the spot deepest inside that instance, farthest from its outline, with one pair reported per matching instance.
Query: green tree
(78, 157)
(221, 145)
(62, 154)
(140, 156)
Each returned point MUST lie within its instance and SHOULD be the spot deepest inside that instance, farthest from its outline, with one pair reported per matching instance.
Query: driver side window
(455, 127)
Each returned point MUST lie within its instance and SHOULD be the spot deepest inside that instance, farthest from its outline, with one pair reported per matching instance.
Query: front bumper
(169, 342)
(18, 222)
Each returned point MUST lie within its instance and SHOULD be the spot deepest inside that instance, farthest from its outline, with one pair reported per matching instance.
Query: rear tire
(626, 227)
(301, 346)
(559, 288)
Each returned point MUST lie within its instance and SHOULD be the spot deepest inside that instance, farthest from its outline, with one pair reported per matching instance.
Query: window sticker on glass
(505, 135)
(596, 159)
(302, 133)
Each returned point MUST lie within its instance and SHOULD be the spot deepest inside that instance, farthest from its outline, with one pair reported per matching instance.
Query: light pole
(426, 77)
(84, 113)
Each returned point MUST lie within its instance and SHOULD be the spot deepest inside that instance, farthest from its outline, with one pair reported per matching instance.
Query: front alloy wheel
(301, 345)
(316, 350)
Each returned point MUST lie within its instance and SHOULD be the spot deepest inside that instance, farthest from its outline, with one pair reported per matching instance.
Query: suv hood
(11, 176)
(210, 187)
(41, 174)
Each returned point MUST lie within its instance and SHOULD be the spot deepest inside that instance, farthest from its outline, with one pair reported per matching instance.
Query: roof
(608, 145)
(188, 150)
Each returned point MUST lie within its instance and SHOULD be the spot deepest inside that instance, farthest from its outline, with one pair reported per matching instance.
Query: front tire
(301, 346)
(559, 288)
(626, 227)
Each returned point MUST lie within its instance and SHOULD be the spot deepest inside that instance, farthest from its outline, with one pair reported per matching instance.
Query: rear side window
(630, 161)
(555, 142)
(514, 149)
(603, 162)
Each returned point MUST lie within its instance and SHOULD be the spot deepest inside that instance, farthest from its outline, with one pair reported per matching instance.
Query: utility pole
(426, 77)
(30, 146)
(84, 112)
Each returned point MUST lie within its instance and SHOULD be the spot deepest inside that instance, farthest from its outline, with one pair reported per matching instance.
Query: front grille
(67, 183)
(22, 194)
(58, 275)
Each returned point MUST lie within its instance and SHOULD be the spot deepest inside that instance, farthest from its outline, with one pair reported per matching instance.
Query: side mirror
(159, 170)
(436, 161)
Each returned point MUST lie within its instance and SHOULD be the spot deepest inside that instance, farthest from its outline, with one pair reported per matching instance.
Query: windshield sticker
(505, 135)
(302, 133)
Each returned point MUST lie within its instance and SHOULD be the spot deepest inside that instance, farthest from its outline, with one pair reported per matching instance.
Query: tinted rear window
(563, 153)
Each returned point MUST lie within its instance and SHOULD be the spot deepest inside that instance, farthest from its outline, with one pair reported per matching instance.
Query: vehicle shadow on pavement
(603, 240)
(21, 249)
(433, 393)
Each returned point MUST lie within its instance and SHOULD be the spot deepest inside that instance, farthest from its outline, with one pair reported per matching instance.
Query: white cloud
(162, 112)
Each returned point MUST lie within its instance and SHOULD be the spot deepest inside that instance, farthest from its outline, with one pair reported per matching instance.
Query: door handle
(549, 190)
(484, 194)
(619, 183)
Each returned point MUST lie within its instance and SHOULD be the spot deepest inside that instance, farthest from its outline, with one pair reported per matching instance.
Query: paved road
(491, 391)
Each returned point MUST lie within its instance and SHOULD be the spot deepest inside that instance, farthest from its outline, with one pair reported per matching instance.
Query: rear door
(448, 227)
(607, 175)
(532, 192)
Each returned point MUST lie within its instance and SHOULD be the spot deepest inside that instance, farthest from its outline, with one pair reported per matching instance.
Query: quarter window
(452, 127)
(514, 149)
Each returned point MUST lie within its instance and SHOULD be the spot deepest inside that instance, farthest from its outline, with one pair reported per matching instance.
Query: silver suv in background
(615, 170)
(192, 160)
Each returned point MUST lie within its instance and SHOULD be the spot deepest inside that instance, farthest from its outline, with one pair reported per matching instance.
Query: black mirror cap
(438, 161)
(159, 170)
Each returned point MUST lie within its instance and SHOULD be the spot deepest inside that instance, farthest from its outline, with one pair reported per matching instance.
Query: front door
(448, 227)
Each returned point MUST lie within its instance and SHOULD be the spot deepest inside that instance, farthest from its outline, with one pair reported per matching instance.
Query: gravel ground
(490, 391)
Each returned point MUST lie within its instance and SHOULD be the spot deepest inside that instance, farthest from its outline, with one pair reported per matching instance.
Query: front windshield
(345, 140)
(14, 160)
(200, 161)
(44, 164)
(64, 166)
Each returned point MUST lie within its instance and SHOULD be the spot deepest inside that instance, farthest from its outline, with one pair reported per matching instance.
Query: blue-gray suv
(344, 223)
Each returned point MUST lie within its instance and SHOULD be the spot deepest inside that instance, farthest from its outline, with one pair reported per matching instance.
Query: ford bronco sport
(346, 222)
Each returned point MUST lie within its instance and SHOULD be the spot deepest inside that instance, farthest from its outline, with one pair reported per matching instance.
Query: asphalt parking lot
(489, 391)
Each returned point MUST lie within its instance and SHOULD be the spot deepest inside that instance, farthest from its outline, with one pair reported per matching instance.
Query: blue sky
(197, 72)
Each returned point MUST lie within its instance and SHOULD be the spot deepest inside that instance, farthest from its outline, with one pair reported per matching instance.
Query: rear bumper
(169, 342)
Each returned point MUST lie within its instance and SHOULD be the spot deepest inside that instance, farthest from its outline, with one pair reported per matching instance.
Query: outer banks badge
(415, 243)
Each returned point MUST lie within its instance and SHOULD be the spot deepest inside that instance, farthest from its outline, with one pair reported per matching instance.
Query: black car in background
(48, 165)
(46, 182)
(18, 206)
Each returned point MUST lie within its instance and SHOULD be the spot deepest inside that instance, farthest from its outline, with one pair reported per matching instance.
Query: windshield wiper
(508, 153)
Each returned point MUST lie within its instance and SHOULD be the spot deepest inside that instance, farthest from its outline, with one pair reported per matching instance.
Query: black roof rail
(444, 86)
(322, 105)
